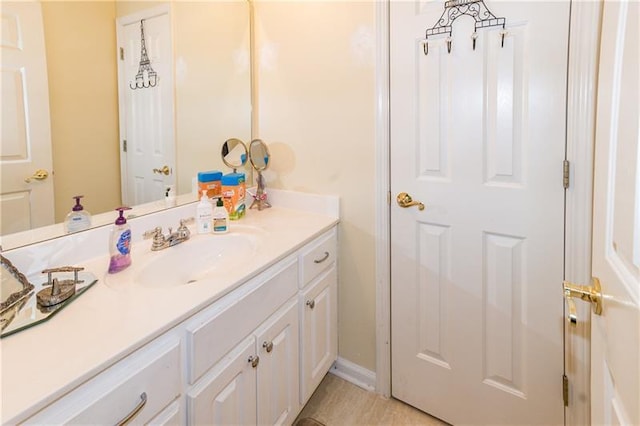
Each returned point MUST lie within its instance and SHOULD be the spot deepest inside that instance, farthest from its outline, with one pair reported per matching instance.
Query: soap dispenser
(204, 214)
(78, 218)
(220, 218)
(120, 243)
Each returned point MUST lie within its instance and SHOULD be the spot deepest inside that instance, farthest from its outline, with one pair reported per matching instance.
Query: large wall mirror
(75, 113)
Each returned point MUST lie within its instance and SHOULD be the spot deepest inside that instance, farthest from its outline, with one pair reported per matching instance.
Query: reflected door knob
(165, 170)
(404, 200)
(40, 174)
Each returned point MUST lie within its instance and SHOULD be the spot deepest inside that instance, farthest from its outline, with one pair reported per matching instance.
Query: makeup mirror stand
(259, 157)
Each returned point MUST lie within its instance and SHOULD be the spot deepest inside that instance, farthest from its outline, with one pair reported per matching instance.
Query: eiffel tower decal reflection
(145, 66)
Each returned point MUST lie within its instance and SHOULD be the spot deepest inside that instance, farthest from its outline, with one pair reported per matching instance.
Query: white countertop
(110, 321)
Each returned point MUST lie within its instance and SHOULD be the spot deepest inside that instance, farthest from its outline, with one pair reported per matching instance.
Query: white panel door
(478, 136)
(25, 143)
(615, 335)
(278, 372)
(146, 114)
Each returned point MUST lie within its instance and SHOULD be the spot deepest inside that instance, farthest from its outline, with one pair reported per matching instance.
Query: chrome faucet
(161, 241)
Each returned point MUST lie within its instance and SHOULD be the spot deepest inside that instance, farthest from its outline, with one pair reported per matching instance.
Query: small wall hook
(449, 43)
(503, 33)
(425, 47)
(474, 36)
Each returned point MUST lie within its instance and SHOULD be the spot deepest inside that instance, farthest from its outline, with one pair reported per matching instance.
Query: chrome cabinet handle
(135, 411)
(40, 174)
(325, 257)
(311, 303)
(404, 200)
(268, 346)
(254, 360)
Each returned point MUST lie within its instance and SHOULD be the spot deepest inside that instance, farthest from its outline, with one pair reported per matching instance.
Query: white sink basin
(198, 258)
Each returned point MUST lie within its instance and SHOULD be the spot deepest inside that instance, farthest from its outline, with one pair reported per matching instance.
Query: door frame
(584, 35)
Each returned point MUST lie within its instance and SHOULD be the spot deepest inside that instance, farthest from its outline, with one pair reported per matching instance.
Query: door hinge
(565, 390)
(124, 145)
(122, 53)
(388, 198)
(565, 174)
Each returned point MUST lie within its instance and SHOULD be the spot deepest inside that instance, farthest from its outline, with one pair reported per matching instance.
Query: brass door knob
(591, 294)
(39, 174)
(165, 170)
(404, 200)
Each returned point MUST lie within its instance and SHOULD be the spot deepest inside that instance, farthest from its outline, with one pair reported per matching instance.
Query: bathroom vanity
(240, 338)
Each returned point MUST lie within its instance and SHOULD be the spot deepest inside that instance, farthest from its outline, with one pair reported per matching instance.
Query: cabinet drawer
(115, 393)
(317, 256)
(216, 331)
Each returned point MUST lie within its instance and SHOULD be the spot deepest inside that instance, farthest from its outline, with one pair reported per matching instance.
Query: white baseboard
(353, 373)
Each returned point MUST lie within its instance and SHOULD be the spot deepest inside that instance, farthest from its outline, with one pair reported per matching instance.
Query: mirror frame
(224, 148)
(259, 143)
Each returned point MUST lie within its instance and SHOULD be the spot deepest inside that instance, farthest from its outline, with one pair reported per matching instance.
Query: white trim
(382, 197)
(355, 374)
(584, 42)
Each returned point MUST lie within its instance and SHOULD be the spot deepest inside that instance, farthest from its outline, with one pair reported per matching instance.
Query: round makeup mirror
(259, 157)
(234, 153)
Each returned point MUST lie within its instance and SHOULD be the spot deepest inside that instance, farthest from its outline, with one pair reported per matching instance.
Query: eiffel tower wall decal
(453, 9)
(151, 77)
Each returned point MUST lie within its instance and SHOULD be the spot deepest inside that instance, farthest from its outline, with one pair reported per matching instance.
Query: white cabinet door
(227, 394)
(278, 372)
(319, 331)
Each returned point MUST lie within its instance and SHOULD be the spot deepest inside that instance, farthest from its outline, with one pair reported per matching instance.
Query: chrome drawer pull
(132, 414)
(326, 256)
(268, 346)
(254, 361)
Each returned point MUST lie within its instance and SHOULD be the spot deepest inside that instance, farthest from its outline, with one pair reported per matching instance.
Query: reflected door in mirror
(147, 109)
(26, 196)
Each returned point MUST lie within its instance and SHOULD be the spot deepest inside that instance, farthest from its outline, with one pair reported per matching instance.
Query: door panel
(615, 358)
(478, 136)
(25, 144)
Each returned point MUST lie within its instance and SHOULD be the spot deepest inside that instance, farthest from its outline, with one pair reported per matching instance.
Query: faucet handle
(182, 230)
(157, 231)
(158, 238)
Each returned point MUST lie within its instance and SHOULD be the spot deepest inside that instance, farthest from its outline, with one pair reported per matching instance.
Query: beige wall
(317, 113)
(81, 64)
(213, 91)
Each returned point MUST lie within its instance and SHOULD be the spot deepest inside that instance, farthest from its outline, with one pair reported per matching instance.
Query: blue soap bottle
(120, 243)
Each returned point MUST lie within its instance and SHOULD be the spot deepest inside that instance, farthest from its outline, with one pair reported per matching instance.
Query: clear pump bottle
(78, 218)
(120, 243)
